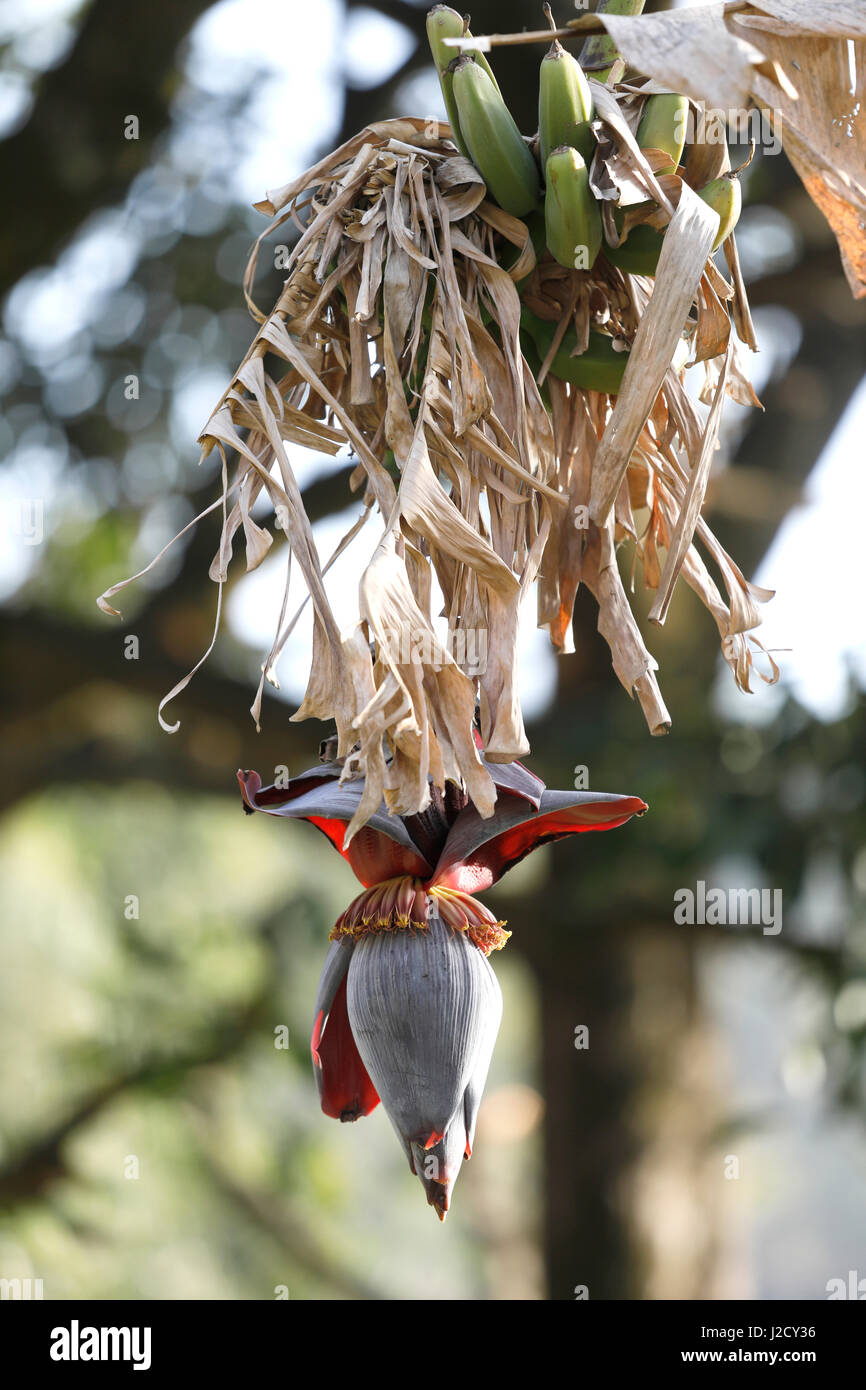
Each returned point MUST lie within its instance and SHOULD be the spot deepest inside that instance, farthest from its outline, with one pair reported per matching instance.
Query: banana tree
(526, 345)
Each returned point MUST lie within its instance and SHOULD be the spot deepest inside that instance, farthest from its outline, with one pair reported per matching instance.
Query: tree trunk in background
(630, 984)
(588, 1145)
(584, 979)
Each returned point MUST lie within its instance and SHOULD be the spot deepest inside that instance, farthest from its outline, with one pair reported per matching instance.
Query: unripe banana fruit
(725, 197)
(565, 105)
(496, 147)
(663, 127)
(639, 253)
(599, 368)
(571, 214)
(445, 23)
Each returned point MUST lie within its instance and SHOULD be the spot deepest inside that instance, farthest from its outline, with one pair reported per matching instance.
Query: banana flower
(408, 1007)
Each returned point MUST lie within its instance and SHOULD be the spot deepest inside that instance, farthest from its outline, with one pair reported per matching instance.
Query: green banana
(571, 214)
(639, 253)
(496, 147)
(599, 54)
(599, 368)
(725, 197)
(663, 127)
(565, 105)
(444, 23)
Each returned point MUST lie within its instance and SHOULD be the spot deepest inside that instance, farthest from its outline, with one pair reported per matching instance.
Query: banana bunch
(572, 216)
(484, 129)
(485, 132)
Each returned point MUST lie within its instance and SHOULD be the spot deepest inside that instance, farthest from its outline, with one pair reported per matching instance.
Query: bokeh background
(157, 1139)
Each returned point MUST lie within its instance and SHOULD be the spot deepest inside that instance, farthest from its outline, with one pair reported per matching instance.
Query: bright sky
(815, 566)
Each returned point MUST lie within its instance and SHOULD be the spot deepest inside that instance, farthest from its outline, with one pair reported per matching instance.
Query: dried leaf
(685, 249)
(692, 503)
(691, 50)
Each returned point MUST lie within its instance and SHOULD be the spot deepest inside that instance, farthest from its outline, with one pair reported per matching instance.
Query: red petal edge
(372, 855)
(478, 867)
(345, 1087)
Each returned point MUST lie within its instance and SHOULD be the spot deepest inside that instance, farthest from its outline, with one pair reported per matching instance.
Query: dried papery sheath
(530, 390)
(473, 477)
(515, 417)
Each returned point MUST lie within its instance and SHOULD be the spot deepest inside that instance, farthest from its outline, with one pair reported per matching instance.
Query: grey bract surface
(425, 1008)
